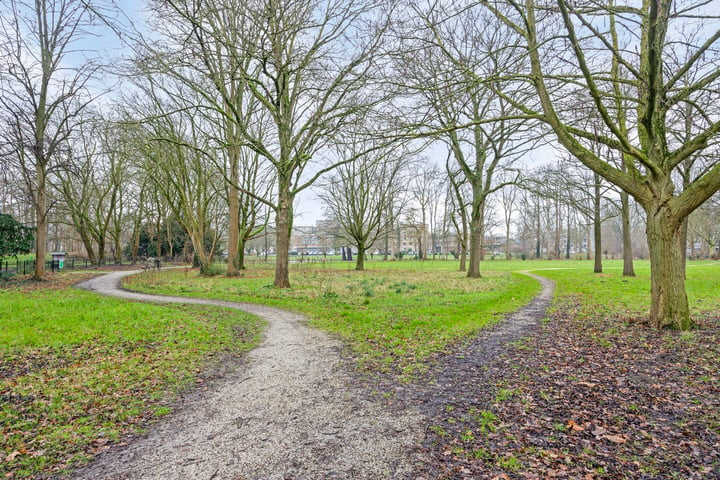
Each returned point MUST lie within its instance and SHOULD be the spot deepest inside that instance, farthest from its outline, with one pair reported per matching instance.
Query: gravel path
(295, 410)
(291, 411)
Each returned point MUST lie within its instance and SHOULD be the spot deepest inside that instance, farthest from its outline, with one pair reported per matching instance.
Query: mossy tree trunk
(670, 304)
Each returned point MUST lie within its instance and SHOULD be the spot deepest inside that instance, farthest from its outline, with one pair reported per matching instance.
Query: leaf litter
(592, 397)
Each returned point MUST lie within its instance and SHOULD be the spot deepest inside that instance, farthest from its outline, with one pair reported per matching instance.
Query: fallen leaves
(620, 439)
(572, 425)
(12, 456)
(597, 398)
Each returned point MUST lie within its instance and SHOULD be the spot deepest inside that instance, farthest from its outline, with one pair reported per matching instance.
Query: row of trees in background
(230, 109)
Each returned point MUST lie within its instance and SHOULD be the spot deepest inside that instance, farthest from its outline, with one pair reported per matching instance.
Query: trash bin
(58, 258)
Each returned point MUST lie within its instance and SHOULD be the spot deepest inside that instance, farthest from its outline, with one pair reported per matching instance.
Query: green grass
(395, 316)
(80, 370)
(611, 294)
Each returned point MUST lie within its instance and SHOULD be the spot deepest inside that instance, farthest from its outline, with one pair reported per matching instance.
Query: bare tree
(43, 89)
(462, 48)
(177, 160)
(91, 186)
(584, 55)
(425, 191)
(205, 47)
(306, 63)
(509, 204)
(358, 194)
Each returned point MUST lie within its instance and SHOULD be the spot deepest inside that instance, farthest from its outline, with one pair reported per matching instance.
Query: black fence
(27, 267)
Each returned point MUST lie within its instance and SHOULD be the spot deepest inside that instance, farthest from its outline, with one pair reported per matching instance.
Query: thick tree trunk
(283, 220)
(41, 233)
(101, 250)
(628, 268)
(360, 259)
(88, 244)
(202, 259)
(669, 301)
(233, 263)
(476, 241)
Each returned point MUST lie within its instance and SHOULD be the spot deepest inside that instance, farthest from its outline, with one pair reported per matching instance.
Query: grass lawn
(79, 371)
(395, 316)
(611, 294)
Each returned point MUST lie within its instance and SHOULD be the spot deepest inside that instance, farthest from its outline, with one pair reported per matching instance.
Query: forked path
(292, 410)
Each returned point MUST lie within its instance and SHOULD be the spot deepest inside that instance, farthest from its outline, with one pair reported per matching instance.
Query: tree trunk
(558, 227)
(233, 264)
(588, 240)
(462, 245)
(101, 250)
(507, 241)
(87, 242)
(386, 247)
(476, 240)
(597, 221)
(158, 237)
(241, 254)
(628, 268)
(567, 238)
(41, 233)
(283, 220)
(539, 233)
(669, 301)
(135, 245)
(360, 260)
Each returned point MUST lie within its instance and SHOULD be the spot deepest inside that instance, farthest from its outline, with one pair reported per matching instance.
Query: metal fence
(26, 267)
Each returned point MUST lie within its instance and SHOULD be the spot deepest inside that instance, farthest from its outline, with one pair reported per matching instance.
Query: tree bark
(597, 227)
(669, 301)
(477, 231)
(628, 268)
(41, 233)
(283, 220)
(360, 259)
(233, 263)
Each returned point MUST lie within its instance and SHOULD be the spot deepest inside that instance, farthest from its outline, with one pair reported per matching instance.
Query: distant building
(313, 240)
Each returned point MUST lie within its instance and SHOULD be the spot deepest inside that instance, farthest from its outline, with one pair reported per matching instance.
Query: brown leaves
(587, 411)
(615, 438)
(12, 456)
(571, 425)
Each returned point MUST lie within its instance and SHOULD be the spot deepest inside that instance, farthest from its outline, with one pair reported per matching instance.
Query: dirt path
(294, 409)
(290, 412)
